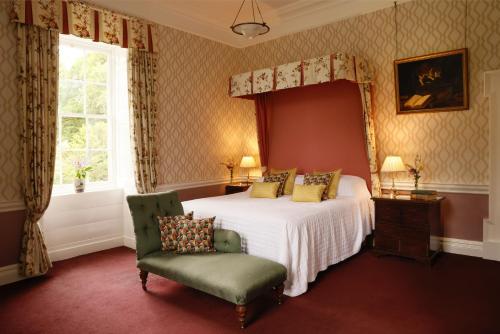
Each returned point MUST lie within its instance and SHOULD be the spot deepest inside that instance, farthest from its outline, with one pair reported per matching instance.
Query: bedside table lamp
(393, 164)
(248, 162)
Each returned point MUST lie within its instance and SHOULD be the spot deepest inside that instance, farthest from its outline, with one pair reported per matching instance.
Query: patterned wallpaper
(199, 126)
(10, 185)
(453, 145)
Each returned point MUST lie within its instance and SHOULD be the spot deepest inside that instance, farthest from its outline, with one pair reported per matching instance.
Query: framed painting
(434, 82)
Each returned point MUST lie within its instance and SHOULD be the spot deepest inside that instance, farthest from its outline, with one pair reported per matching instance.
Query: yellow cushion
(290, 181)
(264, 189)
(308, 193)
(334, 182)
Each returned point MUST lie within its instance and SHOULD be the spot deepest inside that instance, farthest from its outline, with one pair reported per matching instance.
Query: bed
(305, 237)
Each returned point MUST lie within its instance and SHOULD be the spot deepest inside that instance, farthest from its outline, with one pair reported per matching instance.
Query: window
(92, 107)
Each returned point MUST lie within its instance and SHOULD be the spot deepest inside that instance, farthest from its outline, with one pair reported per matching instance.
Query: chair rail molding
(491, 225)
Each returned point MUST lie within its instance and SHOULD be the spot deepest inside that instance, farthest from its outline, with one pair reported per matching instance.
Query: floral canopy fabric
(312, 71)
(83, 20)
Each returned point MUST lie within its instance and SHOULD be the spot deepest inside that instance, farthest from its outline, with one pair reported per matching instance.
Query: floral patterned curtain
(371, 147)
(85, 21)
(142, 69)
(38, 61)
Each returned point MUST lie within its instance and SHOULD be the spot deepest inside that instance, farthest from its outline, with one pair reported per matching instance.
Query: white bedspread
(305, 237)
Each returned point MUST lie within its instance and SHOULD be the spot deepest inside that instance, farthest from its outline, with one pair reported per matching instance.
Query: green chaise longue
(228, 273)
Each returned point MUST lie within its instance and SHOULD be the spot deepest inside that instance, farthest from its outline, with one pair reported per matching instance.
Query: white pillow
(351, 185)
(299, 179)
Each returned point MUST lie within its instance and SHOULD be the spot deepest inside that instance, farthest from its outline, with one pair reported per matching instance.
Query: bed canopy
(259, 84)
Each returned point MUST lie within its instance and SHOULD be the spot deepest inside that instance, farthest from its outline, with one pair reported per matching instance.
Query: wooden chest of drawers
(404, 227)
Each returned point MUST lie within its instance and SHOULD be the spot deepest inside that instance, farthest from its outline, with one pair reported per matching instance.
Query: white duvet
(305, 237)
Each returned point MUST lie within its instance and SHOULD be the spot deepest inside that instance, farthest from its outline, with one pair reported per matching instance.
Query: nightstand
(233, 188)
(404, 227)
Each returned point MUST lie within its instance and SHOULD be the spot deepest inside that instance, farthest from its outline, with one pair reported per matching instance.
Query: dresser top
(407, 198)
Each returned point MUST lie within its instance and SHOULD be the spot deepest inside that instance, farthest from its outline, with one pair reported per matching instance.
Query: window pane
(98, 133)
(73, 133)
(99, 160)
(71, 63)
(97, 67)
(57, 172)
(97, 102)
(69, 159)
(70, 96)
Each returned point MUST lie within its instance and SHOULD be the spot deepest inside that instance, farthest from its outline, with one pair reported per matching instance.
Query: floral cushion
(281, 178)
(319, 179)
(168, 230)
(195, 236)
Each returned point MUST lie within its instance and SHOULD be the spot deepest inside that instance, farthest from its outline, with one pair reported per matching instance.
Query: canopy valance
(82, 20)
(301, 73)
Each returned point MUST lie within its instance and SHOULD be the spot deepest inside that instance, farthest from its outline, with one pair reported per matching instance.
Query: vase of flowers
(230, 166)
(416, 170)
(81, 170)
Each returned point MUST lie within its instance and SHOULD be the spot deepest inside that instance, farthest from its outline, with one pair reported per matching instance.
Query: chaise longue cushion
(236, 277)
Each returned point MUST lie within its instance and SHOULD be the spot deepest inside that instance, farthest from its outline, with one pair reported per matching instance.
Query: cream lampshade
(248, 162)
(393, 164)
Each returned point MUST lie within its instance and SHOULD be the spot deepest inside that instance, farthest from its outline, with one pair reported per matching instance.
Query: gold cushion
(308, 193)
(334, 182)
(264, 189)
(290, 181)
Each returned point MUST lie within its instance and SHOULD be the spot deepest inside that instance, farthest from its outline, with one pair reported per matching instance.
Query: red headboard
(319, 127)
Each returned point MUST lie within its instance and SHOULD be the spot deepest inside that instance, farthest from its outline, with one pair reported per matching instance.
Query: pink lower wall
(462, 219)
(11, 227)
(463, 215)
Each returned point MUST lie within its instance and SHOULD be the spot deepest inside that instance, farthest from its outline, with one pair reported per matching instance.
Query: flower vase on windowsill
(81, 170)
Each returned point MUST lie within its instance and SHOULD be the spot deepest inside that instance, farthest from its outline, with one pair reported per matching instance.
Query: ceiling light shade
(253, 28)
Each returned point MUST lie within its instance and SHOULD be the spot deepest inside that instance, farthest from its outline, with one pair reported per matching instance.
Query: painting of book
(435, 82)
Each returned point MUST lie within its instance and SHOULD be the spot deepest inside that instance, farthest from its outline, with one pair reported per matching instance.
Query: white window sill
(70, 192)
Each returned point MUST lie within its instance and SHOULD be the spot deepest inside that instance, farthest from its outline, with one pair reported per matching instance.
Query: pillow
(334, 183)
(264, 189)
(350, 185)
(319, 179)
(195, 236)
(290, 180)
(168, 230)
(299, 179)
(281, 178)
(308, 193)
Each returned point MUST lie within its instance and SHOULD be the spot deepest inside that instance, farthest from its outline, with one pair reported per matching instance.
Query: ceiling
(212, 18)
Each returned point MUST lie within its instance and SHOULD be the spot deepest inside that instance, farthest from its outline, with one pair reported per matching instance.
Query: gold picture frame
(432, 83)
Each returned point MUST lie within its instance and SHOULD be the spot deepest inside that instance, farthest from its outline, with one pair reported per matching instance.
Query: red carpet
(101, 293)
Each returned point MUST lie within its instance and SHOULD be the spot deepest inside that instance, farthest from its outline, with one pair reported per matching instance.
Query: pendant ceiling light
(253, 28)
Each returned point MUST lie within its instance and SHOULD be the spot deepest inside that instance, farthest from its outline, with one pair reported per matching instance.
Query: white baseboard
(84, 247)
(129, 242)
(458, 246)
(10, 274)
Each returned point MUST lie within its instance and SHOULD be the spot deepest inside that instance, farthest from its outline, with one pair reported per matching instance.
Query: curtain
(263, 113)
(142, 70)
(371, 147)
(38, 61)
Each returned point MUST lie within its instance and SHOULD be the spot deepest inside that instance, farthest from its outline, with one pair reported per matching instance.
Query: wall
(453, 145)
(199, 126)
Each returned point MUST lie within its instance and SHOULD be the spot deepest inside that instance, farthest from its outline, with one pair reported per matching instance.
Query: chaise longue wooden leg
(242, 312)
(278, 290)
(144, 278)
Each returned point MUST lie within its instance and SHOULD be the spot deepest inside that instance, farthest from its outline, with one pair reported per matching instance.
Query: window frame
(113, 52)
